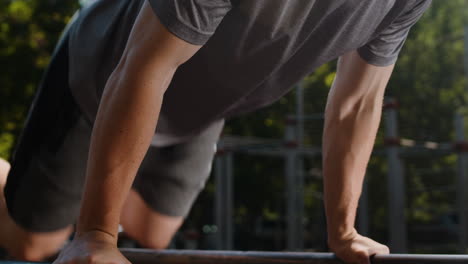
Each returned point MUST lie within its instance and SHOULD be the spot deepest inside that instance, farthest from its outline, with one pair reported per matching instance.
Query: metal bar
(300, 113)
(219, 202)
(299, 198)
(395, 186)
(229, 201)
(292, 212)
(300, 166)
(299, 201)
(138, 256)
(300, 163)
(462, 182)
(280, 152)
(147, 256)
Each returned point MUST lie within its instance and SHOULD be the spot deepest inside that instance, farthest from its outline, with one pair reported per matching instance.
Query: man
(127, 68)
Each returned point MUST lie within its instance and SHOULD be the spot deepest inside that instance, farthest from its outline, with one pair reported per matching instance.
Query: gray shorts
(45, 184)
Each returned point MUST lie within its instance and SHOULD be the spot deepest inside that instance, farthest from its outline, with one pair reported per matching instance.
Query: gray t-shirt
(254, 50)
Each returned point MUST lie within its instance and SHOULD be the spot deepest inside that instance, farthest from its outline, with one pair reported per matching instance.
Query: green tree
(28, 32)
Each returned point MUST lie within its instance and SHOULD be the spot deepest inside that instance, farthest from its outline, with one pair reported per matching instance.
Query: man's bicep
(151, 46)
(358, 81)
(356, 70)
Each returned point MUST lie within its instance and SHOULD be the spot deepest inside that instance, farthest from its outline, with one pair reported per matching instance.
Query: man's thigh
(166, 186)
(170, 178)
(47, 173)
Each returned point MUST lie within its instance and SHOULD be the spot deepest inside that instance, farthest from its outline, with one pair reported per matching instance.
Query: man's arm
(352, 118)
(124, 126)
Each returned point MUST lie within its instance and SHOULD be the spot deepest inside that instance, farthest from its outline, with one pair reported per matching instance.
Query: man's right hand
(356, 249)
(93, 247)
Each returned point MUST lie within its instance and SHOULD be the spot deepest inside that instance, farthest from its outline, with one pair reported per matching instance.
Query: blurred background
(266, 189)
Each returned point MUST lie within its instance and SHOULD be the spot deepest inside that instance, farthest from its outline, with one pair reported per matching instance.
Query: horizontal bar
(146, 256)
(143, 256)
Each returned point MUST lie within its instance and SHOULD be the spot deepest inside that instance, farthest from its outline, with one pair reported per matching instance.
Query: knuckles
(359, 251)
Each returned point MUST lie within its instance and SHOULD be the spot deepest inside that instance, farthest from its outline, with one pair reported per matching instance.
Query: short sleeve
(194, 21)
(384, 49)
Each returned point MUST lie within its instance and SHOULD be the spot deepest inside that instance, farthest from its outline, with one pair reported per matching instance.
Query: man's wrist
(97, 235)
(96, 222)
(339, 236)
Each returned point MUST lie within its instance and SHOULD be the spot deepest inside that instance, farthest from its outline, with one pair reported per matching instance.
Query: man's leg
(20, 243)
(43, 200)
(4, 169)
(43, 188)
(44, 195)
(150, 228)
(166, 186)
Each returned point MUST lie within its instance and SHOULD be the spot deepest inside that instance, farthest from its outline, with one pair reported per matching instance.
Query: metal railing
(138, 256)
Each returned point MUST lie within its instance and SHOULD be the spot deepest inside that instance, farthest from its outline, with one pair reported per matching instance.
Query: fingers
(363, 257)
(93, 260)
(86, 250)
(379, 250)
(355, 257)
(359, 250)
(371, 252)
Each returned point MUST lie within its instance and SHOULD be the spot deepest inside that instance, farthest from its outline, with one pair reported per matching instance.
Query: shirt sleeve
(194, 21)
(384, 49)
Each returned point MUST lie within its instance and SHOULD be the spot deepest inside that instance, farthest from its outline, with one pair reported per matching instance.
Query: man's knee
(147, 240)
(148, 234)
(29, 252)
(19, 242)
(4, 169)
(148, 227)
(151, 233)
(29, 246)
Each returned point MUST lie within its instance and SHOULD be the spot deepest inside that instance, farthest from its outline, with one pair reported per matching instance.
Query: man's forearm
(352, 119)
(127, 118)
(347, 145)
(122, 133)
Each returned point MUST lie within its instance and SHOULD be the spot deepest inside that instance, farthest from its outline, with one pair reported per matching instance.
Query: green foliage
(6, 143)
(28, 32)
(430, 84)
(20, 11)
(429, 80)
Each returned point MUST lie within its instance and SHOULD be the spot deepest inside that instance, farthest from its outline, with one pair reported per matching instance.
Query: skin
(152, 56)
(354, 106)
(150, 228)
(4, 169)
